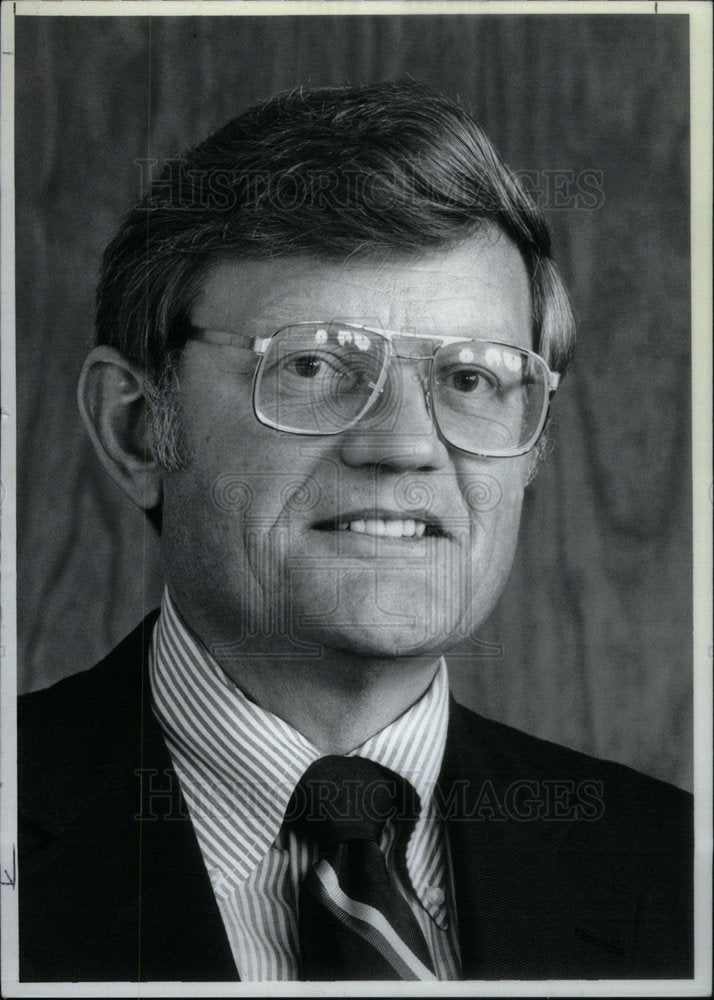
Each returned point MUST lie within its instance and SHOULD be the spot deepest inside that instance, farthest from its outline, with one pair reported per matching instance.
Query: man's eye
(466, 381)
(469, 380)
(307, 365)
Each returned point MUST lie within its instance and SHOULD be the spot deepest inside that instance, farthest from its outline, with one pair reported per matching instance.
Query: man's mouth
(385, 526)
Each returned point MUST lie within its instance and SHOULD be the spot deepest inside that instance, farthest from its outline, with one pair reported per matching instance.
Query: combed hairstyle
(386, 170)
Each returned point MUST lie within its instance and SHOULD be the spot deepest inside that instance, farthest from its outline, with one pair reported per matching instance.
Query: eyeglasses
(485, 397)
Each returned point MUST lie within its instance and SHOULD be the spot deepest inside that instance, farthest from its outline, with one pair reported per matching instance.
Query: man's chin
(381, 615)
(380, 640)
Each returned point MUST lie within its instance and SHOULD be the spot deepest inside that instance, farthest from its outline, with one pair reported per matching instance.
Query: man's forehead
(480, 284)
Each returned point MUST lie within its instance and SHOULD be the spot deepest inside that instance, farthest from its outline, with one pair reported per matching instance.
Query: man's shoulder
(631, 802)
(585, 859)
(72, 733)
(112, 882)
(80, 693)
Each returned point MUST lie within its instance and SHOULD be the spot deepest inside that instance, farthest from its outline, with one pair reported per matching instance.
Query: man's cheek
(493, 541)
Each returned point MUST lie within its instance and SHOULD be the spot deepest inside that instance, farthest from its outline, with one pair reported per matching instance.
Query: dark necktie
(353, 921)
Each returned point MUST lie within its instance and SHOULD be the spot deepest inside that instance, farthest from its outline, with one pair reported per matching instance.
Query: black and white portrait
(352, 495)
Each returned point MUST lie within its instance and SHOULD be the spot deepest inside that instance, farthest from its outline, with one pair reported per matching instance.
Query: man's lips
(385, 523)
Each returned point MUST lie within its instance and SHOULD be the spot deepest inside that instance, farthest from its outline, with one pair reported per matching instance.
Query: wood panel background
(591, 644)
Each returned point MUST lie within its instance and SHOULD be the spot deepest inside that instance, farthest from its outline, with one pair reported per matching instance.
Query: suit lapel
(527, 906)
(498, 865)
(181, 925)
(182, 932)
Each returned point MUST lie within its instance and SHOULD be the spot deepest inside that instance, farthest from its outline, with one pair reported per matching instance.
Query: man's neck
(337, 705)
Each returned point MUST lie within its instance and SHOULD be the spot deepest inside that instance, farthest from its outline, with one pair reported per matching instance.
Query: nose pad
(396, 396)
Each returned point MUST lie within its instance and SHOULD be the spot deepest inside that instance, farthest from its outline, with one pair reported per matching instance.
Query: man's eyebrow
(274, 315)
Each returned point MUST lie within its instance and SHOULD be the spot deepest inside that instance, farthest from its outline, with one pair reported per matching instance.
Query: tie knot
(349, 798)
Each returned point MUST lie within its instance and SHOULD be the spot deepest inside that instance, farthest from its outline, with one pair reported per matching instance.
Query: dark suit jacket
(564, 866)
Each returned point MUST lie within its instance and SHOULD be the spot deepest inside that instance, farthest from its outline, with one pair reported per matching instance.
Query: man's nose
(398, 432)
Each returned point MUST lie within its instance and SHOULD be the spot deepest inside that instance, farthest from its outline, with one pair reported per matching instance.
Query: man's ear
(114, 408)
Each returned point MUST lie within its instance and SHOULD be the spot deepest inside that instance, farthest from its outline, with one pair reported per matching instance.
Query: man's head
(384, 208)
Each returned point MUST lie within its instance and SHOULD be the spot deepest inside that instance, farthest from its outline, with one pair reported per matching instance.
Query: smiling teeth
(391, 529)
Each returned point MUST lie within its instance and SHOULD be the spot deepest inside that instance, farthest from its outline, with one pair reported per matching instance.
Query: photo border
(700, 20)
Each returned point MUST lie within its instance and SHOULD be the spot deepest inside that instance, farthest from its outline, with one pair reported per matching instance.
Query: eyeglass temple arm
(223, 338)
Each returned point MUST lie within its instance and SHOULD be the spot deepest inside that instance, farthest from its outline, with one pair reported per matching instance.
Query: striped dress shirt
(238, 765)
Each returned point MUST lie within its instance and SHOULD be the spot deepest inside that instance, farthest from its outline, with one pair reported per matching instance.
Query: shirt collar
(239, 763)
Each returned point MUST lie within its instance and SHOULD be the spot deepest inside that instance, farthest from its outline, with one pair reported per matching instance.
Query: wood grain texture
(594, 629)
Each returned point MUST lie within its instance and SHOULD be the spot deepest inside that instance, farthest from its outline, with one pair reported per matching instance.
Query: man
(326, 347)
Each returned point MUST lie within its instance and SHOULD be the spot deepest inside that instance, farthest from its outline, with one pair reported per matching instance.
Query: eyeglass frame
(260, 345)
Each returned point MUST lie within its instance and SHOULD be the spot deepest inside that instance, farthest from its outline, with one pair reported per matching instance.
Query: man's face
(267, 538)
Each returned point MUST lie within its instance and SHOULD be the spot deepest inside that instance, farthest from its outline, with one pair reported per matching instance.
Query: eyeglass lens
(488, 397)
